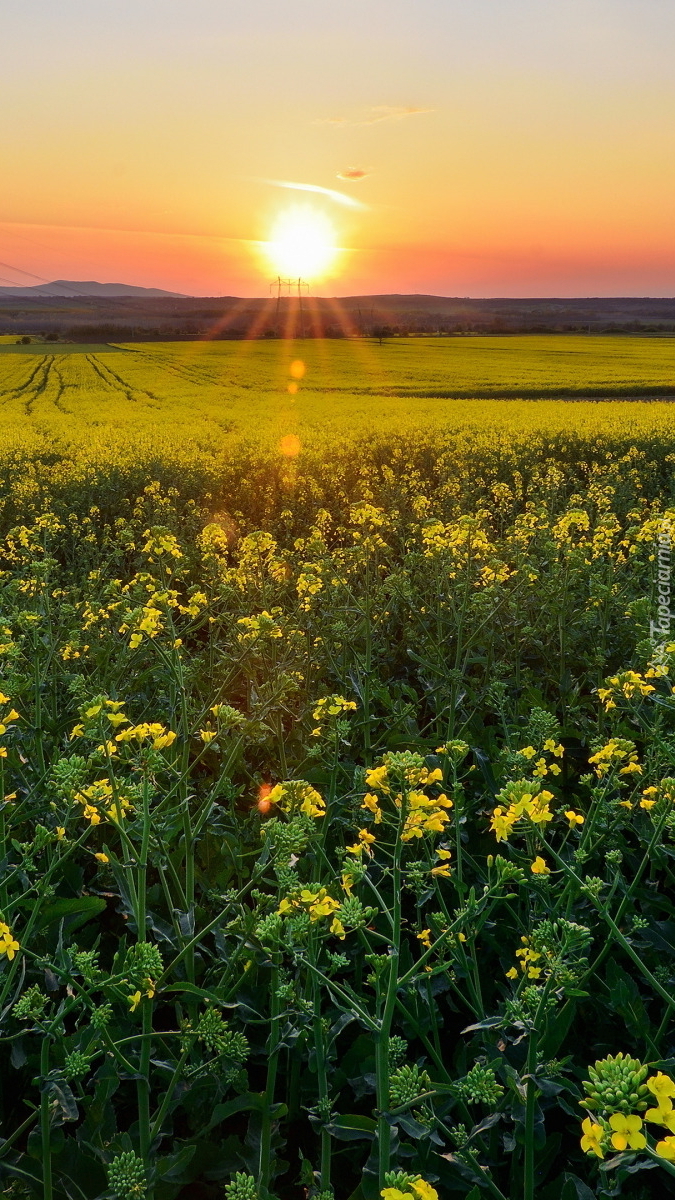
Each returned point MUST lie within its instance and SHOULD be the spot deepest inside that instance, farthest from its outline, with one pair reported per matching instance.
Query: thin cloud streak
(338, 197)
(378, 113)
(353, 174)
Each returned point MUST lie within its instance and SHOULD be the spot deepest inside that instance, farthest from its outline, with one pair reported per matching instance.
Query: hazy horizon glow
(502, 148)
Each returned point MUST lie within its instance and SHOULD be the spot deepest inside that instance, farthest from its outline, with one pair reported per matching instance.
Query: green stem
(322, 1083)
(619, 937)
(264, 1172)
(142, 868)
(663, 1162)
(189, 884)
(163, 1108)
(480, 1170)
(13, 1137)
(384, 1033)
(45, 1123)
(530, 1104)
(37, 701)
(143, 1085)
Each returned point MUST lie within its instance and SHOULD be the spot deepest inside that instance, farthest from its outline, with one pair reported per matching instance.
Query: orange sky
(502, 147)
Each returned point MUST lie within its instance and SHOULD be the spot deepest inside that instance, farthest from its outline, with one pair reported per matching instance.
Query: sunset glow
(490, 149)
(302, 244)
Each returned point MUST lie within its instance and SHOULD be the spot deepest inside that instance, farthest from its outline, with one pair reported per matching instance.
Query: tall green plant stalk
(45, 1121)
(382, 1066)
(265, 1160)
(322, 1085)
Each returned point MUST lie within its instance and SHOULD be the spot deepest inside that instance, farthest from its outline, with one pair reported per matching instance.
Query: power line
(40, 278)
(289, 284)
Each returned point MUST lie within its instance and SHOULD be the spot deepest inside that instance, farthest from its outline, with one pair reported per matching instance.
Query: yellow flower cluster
(528, 958)
(426, 814)
(541, 767)
(99, 800)
(629, 684)
(159, 542)
(365, 841)
(296, 796)
(8, 943)
(309, 583)
(520, 799)
(6, 720)
(263, 626)
(152, 731)
(612, 754)
(318, 904)
(417, 1188)
(651, 795)
(624, 1131)
(136, 997)
(422, 813)
(330, 707)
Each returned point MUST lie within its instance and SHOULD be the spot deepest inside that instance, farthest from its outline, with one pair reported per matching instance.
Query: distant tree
(25, 341)
(382, 331)
(52, 337)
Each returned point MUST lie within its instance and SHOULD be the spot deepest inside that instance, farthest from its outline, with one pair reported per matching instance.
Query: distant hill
(65, 288)
(76, 311)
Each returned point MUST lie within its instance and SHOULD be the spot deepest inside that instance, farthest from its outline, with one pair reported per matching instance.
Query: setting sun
(302, 243)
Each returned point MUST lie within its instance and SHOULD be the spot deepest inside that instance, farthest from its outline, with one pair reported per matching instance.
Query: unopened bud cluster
(126, 1176)
(617, 1084)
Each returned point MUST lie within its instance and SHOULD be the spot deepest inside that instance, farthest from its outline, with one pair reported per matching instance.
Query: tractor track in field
(16, 393)
(191, 374)
(62, 387)
(115, 381)
(42, 385)
(10, 386)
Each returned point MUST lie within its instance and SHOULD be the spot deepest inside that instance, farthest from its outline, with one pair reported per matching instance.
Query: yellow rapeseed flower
(592, 1135)
(627, 1132)
(666, 1149)
(539, 867)
(574, 818)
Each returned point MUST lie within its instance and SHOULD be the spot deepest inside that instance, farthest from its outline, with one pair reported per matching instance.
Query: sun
(302, 243)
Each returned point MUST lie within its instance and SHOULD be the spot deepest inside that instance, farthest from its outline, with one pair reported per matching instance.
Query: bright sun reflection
(302, 243)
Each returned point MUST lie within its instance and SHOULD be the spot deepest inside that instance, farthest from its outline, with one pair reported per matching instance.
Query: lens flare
(290, 445)
(302, 244)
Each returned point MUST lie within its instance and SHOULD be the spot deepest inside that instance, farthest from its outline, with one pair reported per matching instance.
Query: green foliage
(335, 789)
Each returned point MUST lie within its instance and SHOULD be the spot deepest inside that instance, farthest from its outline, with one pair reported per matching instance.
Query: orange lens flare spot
(297, 369)
(292, 388)
(290, 445)
(264, 805)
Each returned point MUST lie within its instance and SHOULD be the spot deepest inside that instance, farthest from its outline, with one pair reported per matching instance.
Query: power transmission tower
(290, 285)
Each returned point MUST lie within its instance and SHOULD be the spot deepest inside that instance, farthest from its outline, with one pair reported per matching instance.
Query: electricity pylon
(290, 285)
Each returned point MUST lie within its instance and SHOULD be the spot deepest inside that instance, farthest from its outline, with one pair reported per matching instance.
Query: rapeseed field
(337, 741)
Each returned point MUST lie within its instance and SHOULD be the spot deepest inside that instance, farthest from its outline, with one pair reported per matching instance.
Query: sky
(492, 147)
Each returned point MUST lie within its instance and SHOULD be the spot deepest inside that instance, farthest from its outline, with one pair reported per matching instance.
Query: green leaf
(576, 1189)
(193, 990)
(74, 912)
(352, 1128)
(247, 1102)
(171, 1168)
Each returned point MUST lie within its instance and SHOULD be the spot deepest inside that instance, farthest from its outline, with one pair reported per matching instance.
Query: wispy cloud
(376, 114)
(353, 174)
(337, 197)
